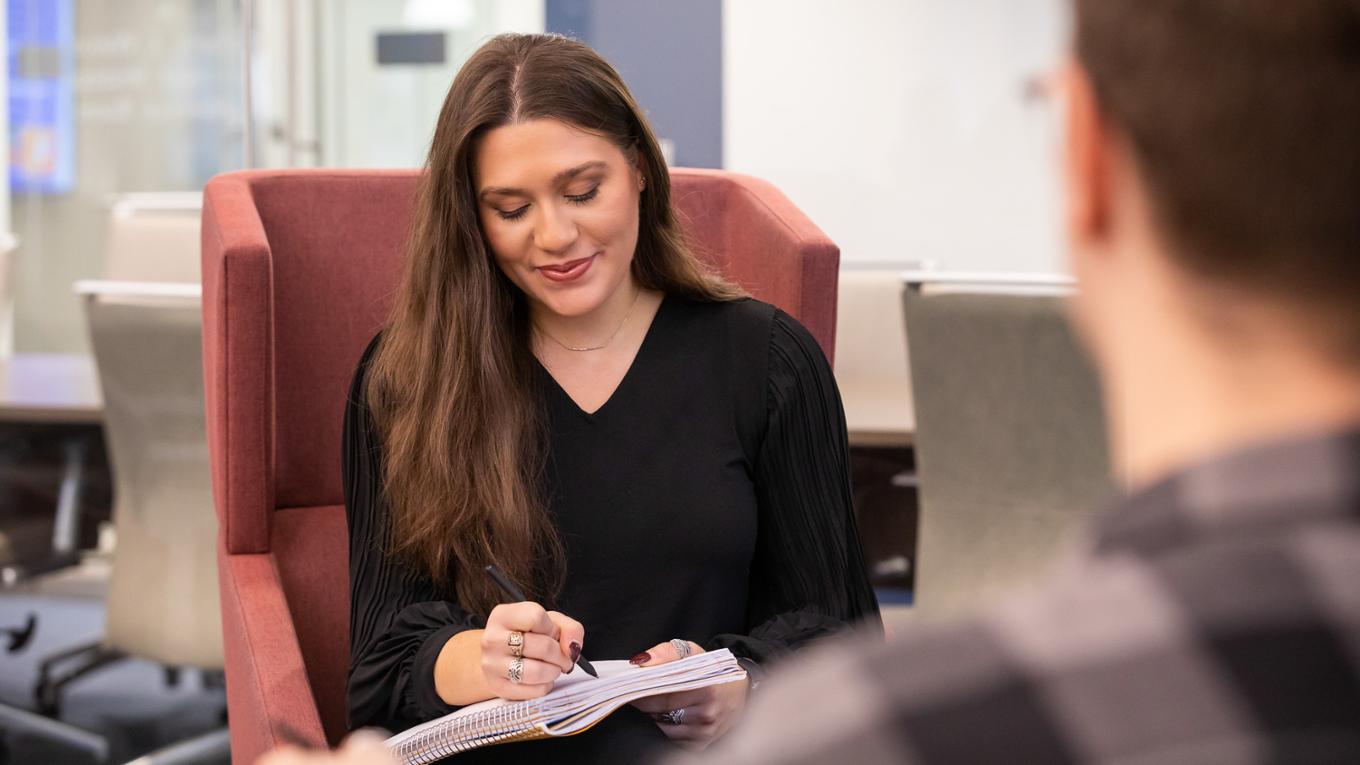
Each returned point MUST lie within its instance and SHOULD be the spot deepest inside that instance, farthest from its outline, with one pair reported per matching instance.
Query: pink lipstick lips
(569, 271)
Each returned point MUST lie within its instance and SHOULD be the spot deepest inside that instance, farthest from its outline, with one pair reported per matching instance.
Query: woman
(563, 391)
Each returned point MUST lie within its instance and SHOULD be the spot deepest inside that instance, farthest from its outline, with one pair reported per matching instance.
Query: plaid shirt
(1217, 619)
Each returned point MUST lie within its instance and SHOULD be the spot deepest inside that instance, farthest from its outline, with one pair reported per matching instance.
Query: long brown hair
(452, 383)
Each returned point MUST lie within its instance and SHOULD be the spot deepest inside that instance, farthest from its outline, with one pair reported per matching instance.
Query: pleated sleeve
(398, 622)
(808, 577)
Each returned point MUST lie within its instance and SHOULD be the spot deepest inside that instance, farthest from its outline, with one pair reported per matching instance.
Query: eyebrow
(561, 177)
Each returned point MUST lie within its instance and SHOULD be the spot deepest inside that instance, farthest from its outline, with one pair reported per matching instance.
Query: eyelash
(580, 199)
(576, 199)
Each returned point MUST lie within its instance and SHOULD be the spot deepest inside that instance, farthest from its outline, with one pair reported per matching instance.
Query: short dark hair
(1244, 121)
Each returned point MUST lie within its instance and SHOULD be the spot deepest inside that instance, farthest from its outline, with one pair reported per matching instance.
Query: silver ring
(682, 648)
(516, 642)
(673, 717)
(515, 672)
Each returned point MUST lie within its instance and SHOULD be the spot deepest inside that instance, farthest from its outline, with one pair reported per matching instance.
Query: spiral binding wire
(493, 726)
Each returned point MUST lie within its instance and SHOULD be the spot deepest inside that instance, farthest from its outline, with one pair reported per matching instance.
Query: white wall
(900, 126)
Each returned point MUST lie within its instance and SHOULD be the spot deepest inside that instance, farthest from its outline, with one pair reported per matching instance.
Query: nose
(556, 231)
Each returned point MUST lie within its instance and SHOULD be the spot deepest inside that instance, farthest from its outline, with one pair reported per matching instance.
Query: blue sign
(41, 96)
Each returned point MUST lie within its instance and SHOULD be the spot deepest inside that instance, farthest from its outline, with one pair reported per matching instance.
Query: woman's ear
(639, 172)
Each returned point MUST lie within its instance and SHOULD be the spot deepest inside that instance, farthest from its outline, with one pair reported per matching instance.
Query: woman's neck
(593, 329)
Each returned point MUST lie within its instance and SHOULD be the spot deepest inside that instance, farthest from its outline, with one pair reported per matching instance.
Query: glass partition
(150, 96)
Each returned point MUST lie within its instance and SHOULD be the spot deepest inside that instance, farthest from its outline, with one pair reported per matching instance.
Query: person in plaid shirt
(1212, 161)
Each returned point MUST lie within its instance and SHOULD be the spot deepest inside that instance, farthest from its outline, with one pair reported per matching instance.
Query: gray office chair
(1010, 439)
(163, 597)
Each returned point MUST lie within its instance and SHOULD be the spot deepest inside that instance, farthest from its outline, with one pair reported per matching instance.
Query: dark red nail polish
(641, 658)
(575, 652)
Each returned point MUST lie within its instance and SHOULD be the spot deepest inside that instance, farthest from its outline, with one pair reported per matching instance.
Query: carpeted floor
(129, 702)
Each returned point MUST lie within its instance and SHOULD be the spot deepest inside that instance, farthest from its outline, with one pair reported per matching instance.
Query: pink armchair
(299, 267)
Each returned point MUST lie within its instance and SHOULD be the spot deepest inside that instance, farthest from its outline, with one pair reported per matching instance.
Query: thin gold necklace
(607, 341)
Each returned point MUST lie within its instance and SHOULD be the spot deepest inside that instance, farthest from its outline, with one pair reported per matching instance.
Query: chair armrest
(237, 280)
(269, 699)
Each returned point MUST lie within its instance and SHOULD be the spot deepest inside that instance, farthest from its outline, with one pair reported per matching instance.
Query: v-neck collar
(629, 374)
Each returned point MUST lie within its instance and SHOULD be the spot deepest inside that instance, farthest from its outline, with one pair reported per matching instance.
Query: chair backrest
(299, 271)
(154, 238)
(163, 595)
(871, 358)
(7, 248)
(1010, 440)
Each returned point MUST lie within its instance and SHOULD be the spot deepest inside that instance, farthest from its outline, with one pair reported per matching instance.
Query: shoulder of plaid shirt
(1216, 618)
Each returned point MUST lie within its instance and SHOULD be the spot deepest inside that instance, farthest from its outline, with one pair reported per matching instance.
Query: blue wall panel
(669, 53)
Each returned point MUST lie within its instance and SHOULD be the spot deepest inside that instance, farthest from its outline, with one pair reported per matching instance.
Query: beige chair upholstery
(1010, 440)
(6, 343)
(7, 248)
(154, 238)
(163, 602)
(871, 358)
(146, 332)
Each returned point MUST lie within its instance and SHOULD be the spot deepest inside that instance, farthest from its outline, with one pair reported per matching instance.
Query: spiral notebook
(577, 702)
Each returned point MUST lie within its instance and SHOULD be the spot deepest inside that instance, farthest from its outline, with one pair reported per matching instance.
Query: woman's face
(560, 210)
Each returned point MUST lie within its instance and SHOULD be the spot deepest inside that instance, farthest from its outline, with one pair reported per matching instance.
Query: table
(878, 413)
(50, 388)
(54, 389)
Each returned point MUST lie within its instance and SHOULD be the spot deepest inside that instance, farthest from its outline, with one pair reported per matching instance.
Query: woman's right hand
(552, 641)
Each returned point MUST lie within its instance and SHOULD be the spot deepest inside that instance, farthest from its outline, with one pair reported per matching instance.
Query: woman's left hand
(696, 718)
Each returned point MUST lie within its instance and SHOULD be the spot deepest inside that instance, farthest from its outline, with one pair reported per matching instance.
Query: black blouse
(707, 499)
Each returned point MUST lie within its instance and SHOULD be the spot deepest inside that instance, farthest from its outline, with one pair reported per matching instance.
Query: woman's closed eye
(576, 199)
(514, 214)
(580, 199)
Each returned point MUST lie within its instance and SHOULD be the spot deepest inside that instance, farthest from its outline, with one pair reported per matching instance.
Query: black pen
(511, 591)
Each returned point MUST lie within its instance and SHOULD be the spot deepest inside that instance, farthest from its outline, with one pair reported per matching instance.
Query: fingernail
(641, 659)
(575, 652)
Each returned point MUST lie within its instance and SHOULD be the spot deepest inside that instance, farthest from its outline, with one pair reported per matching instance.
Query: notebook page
(592, 714)
(651, 681)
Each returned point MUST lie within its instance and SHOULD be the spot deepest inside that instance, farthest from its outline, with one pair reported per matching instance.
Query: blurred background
(910, 131)
(900, 126)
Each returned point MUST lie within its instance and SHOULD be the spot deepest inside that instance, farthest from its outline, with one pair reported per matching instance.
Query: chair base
(16, 719)
(92, 657)
(205, 747)
(213, 745)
